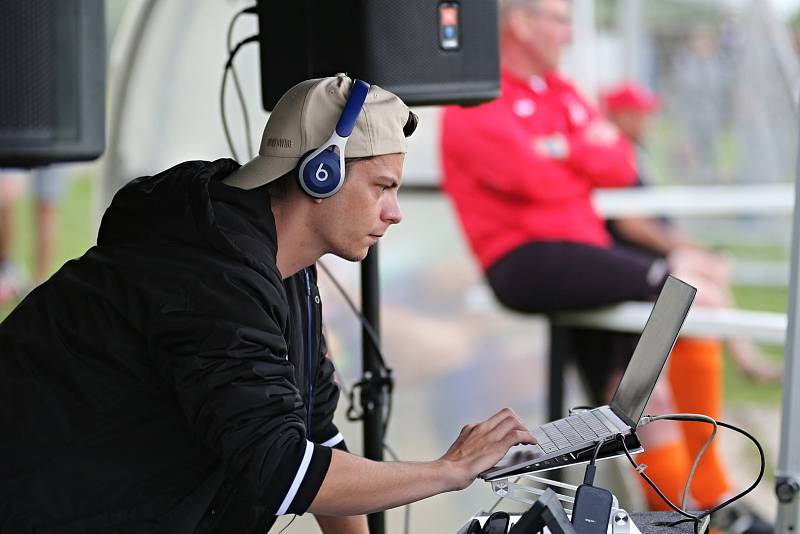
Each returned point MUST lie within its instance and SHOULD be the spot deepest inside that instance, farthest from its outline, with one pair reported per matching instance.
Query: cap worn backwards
(305, 117)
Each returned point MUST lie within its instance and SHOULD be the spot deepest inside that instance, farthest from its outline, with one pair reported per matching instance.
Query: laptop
(572, 439)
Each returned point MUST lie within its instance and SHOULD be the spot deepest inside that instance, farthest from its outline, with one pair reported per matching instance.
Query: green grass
(74, 228)
(738, 388)
(764, 252)
(774, 299)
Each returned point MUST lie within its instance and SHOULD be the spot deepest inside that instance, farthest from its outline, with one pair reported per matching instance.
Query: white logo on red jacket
(524, 107)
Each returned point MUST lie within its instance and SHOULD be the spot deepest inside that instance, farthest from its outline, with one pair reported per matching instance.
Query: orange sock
(695, 375)
(668, 466)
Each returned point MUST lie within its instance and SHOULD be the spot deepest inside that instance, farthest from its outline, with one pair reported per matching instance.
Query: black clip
(545, 512)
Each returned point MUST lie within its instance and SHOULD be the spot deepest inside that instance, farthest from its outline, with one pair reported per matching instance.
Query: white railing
(766, 327)
(720, 323)
(717, 200)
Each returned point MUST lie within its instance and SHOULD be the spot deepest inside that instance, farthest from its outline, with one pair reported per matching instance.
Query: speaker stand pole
(372, 394)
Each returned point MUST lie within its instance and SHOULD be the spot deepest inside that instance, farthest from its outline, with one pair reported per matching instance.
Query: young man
(174, 378)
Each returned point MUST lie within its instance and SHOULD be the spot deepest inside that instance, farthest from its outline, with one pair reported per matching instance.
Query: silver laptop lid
(652, 350)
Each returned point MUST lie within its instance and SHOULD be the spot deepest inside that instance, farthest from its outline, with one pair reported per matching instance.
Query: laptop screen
(652, 350)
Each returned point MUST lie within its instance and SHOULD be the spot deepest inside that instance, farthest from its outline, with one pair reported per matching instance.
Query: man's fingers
(511, 429)
(466, 429)
(499, 418)
(519, 437)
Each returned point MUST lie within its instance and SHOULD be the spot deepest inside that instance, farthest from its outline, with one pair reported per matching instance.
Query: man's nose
(392, 213)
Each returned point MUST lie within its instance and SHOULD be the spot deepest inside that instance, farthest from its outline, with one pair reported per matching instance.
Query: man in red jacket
(521, 170)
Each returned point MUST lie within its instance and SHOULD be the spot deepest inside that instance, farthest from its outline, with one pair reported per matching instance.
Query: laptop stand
(620, 521)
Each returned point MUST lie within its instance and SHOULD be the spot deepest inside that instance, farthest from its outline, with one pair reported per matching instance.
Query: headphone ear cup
(321, 176)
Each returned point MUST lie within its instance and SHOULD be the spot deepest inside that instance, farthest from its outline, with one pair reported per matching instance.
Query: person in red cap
(695, 368)
(629, 107)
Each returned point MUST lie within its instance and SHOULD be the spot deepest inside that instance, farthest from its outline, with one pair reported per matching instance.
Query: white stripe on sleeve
(298, 479)
(335, 440)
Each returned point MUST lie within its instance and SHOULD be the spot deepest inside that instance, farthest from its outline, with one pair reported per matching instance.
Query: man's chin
(354, 256)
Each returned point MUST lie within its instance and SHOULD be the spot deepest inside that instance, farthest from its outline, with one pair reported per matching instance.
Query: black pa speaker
(424, 51)
(52, 81)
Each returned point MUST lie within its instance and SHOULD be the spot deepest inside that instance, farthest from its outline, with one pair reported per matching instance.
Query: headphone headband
(358, 95)
(321, 171)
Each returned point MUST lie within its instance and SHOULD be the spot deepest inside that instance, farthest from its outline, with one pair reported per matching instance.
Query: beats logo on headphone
(321, 171)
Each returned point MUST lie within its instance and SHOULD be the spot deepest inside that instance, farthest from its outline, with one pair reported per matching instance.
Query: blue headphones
(321, 171)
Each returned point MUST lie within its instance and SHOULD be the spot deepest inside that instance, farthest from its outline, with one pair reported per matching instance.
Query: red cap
(629, 97)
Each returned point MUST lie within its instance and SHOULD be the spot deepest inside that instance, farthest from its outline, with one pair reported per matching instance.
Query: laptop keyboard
(573, 430)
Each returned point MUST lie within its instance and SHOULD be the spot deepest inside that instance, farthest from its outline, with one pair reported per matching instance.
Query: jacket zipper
(309, 381)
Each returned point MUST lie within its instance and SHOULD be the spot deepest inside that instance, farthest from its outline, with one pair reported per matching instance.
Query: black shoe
(740, 519)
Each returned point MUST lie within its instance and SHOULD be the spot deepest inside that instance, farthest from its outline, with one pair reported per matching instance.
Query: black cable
(691, 417)
(386, 380)
(368, 328)
(762, 468)
(597, 451)
(588, 476)
(697, 519)
(228, 65)
(252, 39)
(288, 524)
(235, 76)
(760, 472)
(224, 118)
(389, 401)
(652, 484)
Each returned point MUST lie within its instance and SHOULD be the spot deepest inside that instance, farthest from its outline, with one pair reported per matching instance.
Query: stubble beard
(354, 257)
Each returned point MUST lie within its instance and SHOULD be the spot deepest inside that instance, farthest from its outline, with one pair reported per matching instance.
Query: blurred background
(727, 74)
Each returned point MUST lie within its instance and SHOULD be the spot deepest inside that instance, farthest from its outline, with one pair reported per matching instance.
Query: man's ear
(519, 25)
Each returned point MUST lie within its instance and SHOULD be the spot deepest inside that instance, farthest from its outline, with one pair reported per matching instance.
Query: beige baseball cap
(305, 117)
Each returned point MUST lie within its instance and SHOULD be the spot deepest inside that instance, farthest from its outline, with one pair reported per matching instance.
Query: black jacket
(159, 383)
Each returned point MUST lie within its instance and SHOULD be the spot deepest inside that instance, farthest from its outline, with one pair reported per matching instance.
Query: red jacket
(504, 192)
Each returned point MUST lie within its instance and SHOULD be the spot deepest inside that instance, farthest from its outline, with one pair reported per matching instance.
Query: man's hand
(480, 446)
(356, 485)
(703, 262)
(708, 272)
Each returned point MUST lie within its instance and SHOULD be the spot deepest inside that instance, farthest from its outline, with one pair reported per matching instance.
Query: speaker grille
(26, 64)
(394, 44)
(403, 44)
(52, 78)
